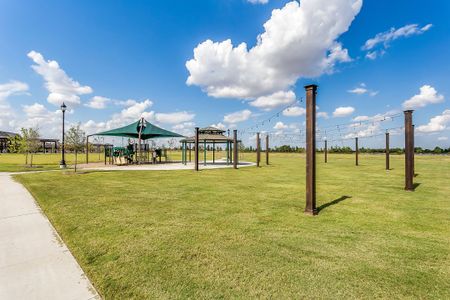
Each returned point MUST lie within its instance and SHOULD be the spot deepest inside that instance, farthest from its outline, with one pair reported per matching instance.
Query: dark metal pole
(258, 150)
(387, 151)
(235, 149)
(87, 149)
(214, 152)
(409, 156)
(311, 91)
(326, 151)
(190, 150)
(196, 149)
(267, 149)
(356, 151)
(63, 161)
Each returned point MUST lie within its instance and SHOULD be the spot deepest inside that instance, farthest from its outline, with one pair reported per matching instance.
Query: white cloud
(362, 89)
(365, 131)
(280, 126)
(219, 125)
(427, 95)
(392, 34)
(299, 41)
(343, 111)
(61, 87)
(442, 138)
(186, 128)
(385, 38)
(322, 114)
(7, 114)
(275, 100)
(294, 111)
(98, 102)
(438, 123)
(12, 88)
(258, 1)
(237, 117)
(174, 118)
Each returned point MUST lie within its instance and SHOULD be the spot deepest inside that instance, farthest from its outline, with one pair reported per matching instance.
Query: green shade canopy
(148, 132)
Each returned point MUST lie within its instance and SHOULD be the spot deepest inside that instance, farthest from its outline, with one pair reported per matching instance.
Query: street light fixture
(62, 164)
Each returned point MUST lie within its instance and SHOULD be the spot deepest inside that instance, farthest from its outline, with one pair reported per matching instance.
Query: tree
(29, 143)
(75, 139)
(15, 144)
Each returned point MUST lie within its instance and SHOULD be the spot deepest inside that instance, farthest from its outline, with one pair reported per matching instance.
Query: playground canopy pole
(235, 149)
(196, 149)
(409, 149)
(387, 151)
(311, 91)
(258, 149)
(267, 149)
(356, 151)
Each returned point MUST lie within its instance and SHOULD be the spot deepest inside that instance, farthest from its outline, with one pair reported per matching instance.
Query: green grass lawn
(12, 162)
(242, 233)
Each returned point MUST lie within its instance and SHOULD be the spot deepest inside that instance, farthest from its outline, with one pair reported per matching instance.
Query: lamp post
(62, 164)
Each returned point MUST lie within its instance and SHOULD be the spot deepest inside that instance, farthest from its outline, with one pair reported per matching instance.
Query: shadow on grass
(416, 185)
(335, 201)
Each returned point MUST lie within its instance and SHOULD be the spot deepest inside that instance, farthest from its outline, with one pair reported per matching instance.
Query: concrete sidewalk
(34, 262)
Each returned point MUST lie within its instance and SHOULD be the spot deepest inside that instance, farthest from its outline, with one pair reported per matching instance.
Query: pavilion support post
(258, 149)
(409, 151)
(311, 91)
(104, 148)
(214, 152)
(196, 149)
(387, 151)
(87, 149)
(356, 151)
(228, 152)
(182, 152)
(267, 149)
(235, 149)
(204, 152)
(190, 150)
(326, 151)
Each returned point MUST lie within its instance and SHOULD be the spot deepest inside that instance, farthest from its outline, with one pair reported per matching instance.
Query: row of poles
(311, 93)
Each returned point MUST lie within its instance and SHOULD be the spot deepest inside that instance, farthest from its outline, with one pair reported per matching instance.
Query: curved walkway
(34, 262)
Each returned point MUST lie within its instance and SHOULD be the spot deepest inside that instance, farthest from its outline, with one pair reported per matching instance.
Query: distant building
(4, 136)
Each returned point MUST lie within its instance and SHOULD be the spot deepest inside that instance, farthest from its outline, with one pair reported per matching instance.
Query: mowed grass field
(12, 162)
(228, 233)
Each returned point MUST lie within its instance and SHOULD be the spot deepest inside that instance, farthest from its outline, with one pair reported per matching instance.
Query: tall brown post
(196, 149)
(311, 91)
(387, 151)
(235, 149)
(409, 151)
(190, 150)
(267, 149)
(356, 151)
(214, 152)
(413, 151)
(258, 149)
(326, 151)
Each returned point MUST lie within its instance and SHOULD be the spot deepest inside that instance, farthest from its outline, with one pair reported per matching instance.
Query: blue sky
(130, 57)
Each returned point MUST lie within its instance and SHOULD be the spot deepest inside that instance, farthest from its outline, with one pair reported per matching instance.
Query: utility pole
(409, 151)
(196, 149)
(387, 151)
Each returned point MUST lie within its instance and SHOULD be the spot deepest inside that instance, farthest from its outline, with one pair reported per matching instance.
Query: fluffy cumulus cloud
(280, 126)
(174, 118)
(385, 38)
(442, 138)
(98, 102)
(7, 114)
(343, 111)
(322, 114)
(60, 86)
(237, 117)
(427, 95)
(294, 111)
(362, 89)
(275, 100)
(186, 128)
(219, 125)
(438, 123)
(300, 40)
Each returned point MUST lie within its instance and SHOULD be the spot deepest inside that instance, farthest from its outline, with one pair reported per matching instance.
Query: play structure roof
(150, 131)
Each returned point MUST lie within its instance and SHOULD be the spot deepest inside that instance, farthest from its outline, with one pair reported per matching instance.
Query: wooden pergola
(207, 136)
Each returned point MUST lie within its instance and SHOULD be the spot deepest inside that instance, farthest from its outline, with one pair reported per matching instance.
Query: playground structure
(135, 152)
